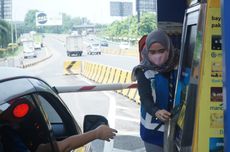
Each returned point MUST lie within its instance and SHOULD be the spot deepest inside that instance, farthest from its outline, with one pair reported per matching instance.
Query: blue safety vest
(160, 94)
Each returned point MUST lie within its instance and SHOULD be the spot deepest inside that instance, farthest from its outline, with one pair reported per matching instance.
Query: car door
(24, 125)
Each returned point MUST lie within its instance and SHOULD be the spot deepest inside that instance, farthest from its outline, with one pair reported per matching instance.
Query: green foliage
(3, 52)
(148, 23)
(66, 27)
(69, 23)
(30, 22)
(129, 27)
(11, 50)
(5, 33)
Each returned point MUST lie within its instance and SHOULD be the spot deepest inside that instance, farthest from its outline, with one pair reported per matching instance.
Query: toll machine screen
(187, 83)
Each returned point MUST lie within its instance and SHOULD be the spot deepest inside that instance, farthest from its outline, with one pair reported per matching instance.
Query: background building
(146, 5)
(6, 9)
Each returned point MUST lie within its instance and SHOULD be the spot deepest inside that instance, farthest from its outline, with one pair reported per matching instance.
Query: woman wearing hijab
(156, 77)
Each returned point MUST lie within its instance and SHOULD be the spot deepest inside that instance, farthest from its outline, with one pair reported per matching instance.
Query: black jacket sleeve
(145, 93)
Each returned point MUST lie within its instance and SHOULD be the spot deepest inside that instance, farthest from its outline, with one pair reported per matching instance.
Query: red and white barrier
(99, 87)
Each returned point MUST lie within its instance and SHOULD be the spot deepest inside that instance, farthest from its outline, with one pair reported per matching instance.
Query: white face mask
(158, 58)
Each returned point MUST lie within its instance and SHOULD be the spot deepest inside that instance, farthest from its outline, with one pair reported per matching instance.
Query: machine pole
(225, 16)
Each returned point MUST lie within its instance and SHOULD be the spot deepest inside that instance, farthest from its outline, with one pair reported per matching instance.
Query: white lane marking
(137, 150)
(128, 119)
(133, 133)
(120, 150)
(123, 108)
(108, 146)
(111, 118)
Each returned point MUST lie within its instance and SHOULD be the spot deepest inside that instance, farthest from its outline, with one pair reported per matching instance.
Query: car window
(62, 121)
(52, 114)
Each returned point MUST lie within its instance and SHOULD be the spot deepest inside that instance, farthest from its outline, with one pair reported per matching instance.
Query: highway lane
(122, 113)
(123, 62)
(41, 53)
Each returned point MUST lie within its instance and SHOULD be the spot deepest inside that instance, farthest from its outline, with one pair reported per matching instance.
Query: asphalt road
(121, 113)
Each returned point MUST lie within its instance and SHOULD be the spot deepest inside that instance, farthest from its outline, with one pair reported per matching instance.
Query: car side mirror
(93, 121)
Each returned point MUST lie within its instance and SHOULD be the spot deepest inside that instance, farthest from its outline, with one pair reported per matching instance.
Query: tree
(69, 23)
(30, 20)
(5, 33)
(129, 27)
(147, 23)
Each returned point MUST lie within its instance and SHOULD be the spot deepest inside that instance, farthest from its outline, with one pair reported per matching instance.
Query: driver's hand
(104, 132)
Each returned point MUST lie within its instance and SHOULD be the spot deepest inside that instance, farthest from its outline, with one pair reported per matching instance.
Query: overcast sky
(95, 10)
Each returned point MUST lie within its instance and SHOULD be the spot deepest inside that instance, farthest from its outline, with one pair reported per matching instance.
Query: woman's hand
(163, 115)
(104, 132)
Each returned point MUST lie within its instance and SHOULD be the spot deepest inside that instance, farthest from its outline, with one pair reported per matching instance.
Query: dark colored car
(32, 113)
(104, 43)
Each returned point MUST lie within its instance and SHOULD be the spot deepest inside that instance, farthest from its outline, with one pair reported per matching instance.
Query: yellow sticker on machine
(210, 124)
(180, 120)
(214, 4)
